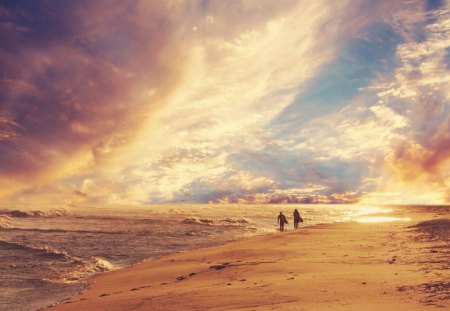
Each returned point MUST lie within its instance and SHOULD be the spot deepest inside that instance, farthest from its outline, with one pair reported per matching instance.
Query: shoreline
(88, 282)
(343, 266)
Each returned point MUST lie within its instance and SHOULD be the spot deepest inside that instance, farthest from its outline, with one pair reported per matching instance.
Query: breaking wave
(64, 230)
(37, 213)
(84, 269)
(39, 250)
(218, 222)
(72, 270)
(5, 222)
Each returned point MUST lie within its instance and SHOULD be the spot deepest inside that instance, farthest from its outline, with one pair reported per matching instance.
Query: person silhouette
(297, 218)
(282, 221)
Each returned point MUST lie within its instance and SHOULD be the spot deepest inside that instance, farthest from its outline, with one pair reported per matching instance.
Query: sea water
(47, 254)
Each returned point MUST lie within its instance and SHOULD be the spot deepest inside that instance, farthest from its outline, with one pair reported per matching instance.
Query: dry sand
(347, 266)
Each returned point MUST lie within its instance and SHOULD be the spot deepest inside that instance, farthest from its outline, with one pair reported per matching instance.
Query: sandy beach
(398, 265)
(148, 148)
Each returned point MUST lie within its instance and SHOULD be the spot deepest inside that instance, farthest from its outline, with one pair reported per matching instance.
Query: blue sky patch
(359, 61)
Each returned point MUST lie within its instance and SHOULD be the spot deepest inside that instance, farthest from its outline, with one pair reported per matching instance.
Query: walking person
(282, 221)
(297, 218)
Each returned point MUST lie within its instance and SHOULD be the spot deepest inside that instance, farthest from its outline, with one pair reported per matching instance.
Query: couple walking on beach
(282, 220)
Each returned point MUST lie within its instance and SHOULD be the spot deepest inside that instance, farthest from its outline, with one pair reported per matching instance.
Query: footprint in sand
(392, 260)
(220, 267)
(146, 286)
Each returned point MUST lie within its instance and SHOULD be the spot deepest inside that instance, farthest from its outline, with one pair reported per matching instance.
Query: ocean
(48, 254)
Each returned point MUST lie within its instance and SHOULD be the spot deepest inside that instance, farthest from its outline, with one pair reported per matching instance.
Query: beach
(366, 265)
(49, 255)
(151, 152)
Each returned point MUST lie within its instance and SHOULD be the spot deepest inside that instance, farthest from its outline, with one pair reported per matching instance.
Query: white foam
(195, 220)
(229, 221)
(44, 250)
(5, 222)
(80, 271)
(237, 220)
(103, 264)
(36, 213)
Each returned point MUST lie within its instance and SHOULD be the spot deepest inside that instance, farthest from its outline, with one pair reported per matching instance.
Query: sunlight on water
(364, 210)
(375, 219)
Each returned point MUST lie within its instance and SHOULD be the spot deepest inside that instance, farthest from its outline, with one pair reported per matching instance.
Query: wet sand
(348, 266)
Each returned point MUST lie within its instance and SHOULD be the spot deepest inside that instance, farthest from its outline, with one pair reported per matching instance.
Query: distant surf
(35, 213)
(5, 221)
(208, 221)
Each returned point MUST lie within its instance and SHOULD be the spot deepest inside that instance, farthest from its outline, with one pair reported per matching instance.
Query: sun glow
(379, 219)
(233, 101)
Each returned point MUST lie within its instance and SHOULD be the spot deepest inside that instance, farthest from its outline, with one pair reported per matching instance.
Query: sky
(210, 101)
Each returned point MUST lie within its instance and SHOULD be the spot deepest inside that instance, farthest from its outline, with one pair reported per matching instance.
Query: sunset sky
(255, 101)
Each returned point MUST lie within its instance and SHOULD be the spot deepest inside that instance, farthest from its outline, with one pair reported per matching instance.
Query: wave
(196, 234)
(84, 269)
(5, 222)
(39, 250)
(98, 217)
(61, 230)
(37, 213)
(236, 220)
(218, 222)
(76, 270)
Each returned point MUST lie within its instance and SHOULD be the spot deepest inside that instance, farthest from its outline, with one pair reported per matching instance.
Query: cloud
(75, 79)
(307, 195)
(231, 101)
(238, 79)
(9, 129)
(215, 101)
(418, 92)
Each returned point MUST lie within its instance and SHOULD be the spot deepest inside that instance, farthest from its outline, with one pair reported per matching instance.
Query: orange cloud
(314, 194)
(419, 165)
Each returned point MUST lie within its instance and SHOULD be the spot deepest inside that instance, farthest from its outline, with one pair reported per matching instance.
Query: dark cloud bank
(73, 77)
